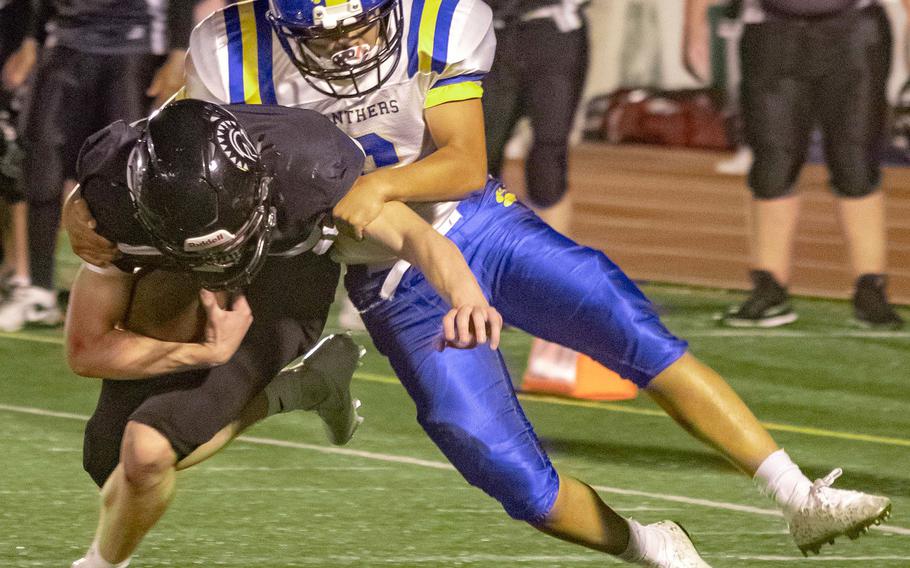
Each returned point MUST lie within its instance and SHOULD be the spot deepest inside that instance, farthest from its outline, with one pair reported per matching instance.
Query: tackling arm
(98, 346)
(471, 320)
(458, 166)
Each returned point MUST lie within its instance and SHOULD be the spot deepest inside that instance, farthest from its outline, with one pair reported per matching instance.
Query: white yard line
(432, 464)
(866, 560)
(855, 334)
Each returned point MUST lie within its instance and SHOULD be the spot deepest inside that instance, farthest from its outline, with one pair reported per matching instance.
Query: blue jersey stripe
(459, 79)
(414, 36)
(235, 53)
(264, 39)
(441, 37)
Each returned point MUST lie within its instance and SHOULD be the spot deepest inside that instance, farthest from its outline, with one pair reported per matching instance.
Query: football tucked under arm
(123, 326)
(165, 306)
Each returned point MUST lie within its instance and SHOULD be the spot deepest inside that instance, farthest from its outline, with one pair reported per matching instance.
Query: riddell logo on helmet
(205, 242)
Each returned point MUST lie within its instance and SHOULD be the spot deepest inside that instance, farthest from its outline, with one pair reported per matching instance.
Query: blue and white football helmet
(344, 48)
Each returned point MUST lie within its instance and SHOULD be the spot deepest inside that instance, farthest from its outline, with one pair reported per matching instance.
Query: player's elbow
(80, 356)
(470, 166)
(477, 179)
(474, 170)
(79, 364)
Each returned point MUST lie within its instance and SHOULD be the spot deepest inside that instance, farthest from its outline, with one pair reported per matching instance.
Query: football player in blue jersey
(404, 78)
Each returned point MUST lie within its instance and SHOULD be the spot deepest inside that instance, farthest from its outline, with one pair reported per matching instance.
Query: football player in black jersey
(202, 196)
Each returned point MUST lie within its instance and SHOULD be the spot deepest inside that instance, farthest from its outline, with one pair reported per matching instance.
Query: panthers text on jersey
(447, 48)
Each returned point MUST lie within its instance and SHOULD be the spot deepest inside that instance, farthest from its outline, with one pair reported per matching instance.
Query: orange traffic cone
(553, 369)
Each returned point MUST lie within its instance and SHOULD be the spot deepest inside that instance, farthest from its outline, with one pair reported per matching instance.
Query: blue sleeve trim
(441, 35)
(264, 41)
(459, 79)
(414, 36)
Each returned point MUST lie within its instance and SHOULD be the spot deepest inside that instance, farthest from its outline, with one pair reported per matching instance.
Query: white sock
(20, 281)
(293, 391)
(643, 543)
(781, 479)
(93, 559)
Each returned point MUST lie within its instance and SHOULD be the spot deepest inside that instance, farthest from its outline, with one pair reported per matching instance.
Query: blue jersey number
(381, 150)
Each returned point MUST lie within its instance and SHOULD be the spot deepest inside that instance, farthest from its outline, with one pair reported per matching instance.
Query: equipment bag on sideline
(693, 118)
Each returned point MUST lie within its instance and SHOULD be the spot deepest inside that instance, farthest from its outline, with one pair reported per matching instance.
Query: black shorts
(74, 95)
(290, 301)
(827, 72)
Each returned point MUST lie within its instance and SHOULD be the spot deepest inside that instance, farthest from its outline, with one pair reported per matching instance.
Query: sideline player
(14, 18)
(109, 60)
(403, 78)
(195, 186)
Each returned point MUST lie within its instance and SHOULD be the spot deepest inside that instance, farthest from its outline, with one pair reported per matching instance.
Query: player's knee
(773, 174)
(546, 173)
(764, 189)
(146, 455)
(518, 475)
(853, 191)
(545, 195)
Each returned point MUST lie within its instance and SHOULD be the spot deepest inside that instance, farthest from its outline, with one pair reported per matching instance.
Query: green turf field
(833, 396)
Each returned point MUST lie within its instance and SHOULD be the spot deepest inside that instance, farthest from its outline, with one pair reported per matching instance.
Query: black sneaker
(870, 304)
(767, 306)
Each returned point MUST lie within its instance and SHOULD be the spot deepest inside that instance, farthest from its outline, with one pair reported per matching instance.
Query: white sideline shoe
(737, 165)
(334, 360)
(829, 513)
(677, 550)
(29, 304)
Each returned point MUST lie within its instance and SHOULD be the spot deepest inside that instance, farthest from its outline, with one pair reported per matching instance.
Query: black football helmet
(202, 194)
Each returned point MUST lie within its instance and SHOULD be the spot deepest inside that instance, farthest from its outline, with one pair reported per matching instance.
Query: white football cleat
(29, 304)
(676, 550)
(333, 360)
(86, 563)
(829, 513)
(92, 559)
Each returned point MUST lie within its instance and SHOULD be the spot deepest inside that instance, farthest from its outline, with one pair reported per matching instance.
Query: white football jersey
(446, 49)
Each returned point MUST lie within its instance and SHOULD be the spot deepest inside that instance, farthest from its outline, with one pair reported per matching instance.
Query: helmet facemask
(345, 52)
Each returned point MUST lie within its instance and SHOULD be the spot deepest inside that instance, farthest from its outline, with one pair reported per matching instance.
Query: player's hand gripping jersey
(307, 183)
(446, 48)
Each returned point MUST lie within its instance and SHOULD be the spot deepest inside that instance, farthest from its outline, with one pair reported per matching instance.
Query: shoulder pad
(445, 33)
(208, 45)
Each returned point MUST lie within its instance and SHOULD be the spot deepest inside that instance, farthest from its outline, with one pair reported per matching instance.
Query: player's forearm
(400, 230)
(448, 174)
(124, 355)
(446, 270)
(696, 17)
